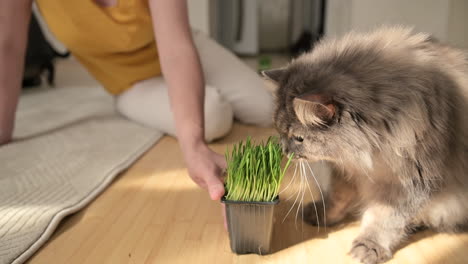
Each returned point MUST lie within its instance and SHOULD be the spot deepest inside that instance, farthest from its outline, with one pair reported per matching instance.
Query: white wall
(199, 15)
(458, 23)
(337, 17)
(424, 15)
(445, 19)
(273, 22)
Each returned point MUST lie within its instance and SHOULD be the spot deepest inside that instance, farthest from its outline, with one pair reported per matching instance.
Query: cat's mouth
(298, 157)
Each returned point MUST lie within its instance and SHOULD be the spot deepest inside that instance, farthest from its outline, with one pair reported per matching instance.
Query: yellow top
(116, 44)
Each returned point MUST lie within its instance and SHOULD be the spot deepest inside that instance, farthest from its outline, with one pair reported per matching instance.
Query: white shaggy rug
(69, 145)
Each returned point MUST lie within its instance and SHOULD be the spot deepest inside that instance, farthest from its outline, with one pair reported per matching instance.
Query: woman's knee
(245, 90)
(218, 115)
(147, 103)
(151, 107)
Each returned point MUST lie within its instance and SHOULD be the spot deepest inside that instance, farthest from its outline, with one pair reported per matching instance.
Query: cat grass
(254, 172)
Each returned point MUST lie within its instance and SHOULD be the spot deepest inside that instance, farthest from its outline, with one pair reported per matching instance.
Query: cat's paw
(369, 252)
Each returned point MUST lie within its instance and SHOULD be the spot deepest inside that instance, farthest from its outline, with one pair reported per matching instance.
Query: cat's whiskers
(321, 194)
(365, 170)
(294, 183)
(322, 157)
(290, 181)
(301, 202)
(294, 204)
(315, 206)
(342, 165)
(301, 191)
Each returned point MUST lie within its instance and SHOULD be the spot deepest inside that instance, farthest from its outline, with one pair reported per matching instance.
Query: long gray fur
(398, 130)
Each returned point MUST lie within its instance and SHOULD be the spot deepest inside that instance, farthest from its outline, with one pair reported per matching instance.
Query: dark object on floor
(250, 226)
(308, 39)
(40, 57)
(304, 44)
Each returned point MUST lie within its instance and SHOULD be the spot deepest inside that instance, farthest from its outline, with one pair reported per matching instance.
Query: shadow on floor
(290, 229)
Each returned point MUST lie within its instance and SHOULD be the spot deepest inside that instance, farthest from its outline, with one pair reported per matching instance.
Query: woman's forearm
(185, 79)
(14, 21)
(181, 69)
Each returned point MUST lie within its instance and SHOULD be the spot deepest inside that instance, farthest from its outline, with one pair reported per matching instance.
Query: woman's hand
(206, 167)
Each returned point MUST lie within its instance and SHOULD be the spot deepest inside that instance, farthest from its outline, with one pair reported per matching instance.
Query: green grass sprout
(254, 172)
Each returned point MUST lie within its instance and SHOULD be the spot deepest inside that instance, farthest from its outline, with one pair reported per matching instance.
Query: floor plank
(153, 213)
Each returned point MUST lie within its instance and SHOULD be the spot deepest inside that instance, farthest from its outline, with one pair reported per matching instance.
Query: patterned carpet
(69, 145)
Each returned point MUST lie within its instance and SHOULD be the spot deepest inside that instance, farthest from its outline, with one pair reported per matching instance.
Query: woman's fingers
(215, 187)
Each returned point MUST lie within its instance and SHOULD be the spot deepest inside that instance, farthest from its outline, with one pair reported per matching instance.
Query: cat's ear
(274, 75)
(314, 109)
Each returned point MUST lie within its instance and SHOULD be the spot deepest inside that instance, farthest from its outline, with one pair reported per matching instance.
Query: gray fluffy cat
(389, 109)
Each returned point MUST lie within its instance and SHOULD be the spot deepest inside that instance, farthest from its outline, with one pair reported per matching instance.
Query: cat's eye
(298, 138)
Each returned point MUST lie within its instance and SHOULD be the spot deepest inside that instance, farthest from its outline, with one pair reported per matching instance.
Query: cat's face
(313, 121)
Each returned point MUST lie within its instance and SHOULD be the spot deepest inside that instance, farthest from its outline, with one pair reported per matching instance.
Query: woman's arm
(14, 22)
(183, 73)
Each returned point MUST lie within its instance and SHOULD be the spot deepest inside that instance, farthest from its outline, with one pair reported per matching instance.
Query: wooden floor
(153, 213)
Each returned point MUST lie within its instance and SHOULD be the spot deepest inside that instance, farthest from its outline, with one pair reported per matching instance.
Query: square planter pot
(250, 225)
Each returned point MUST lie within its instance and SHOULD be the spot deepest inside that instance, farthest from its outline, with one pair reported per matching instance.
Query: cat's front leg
(382, 228)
